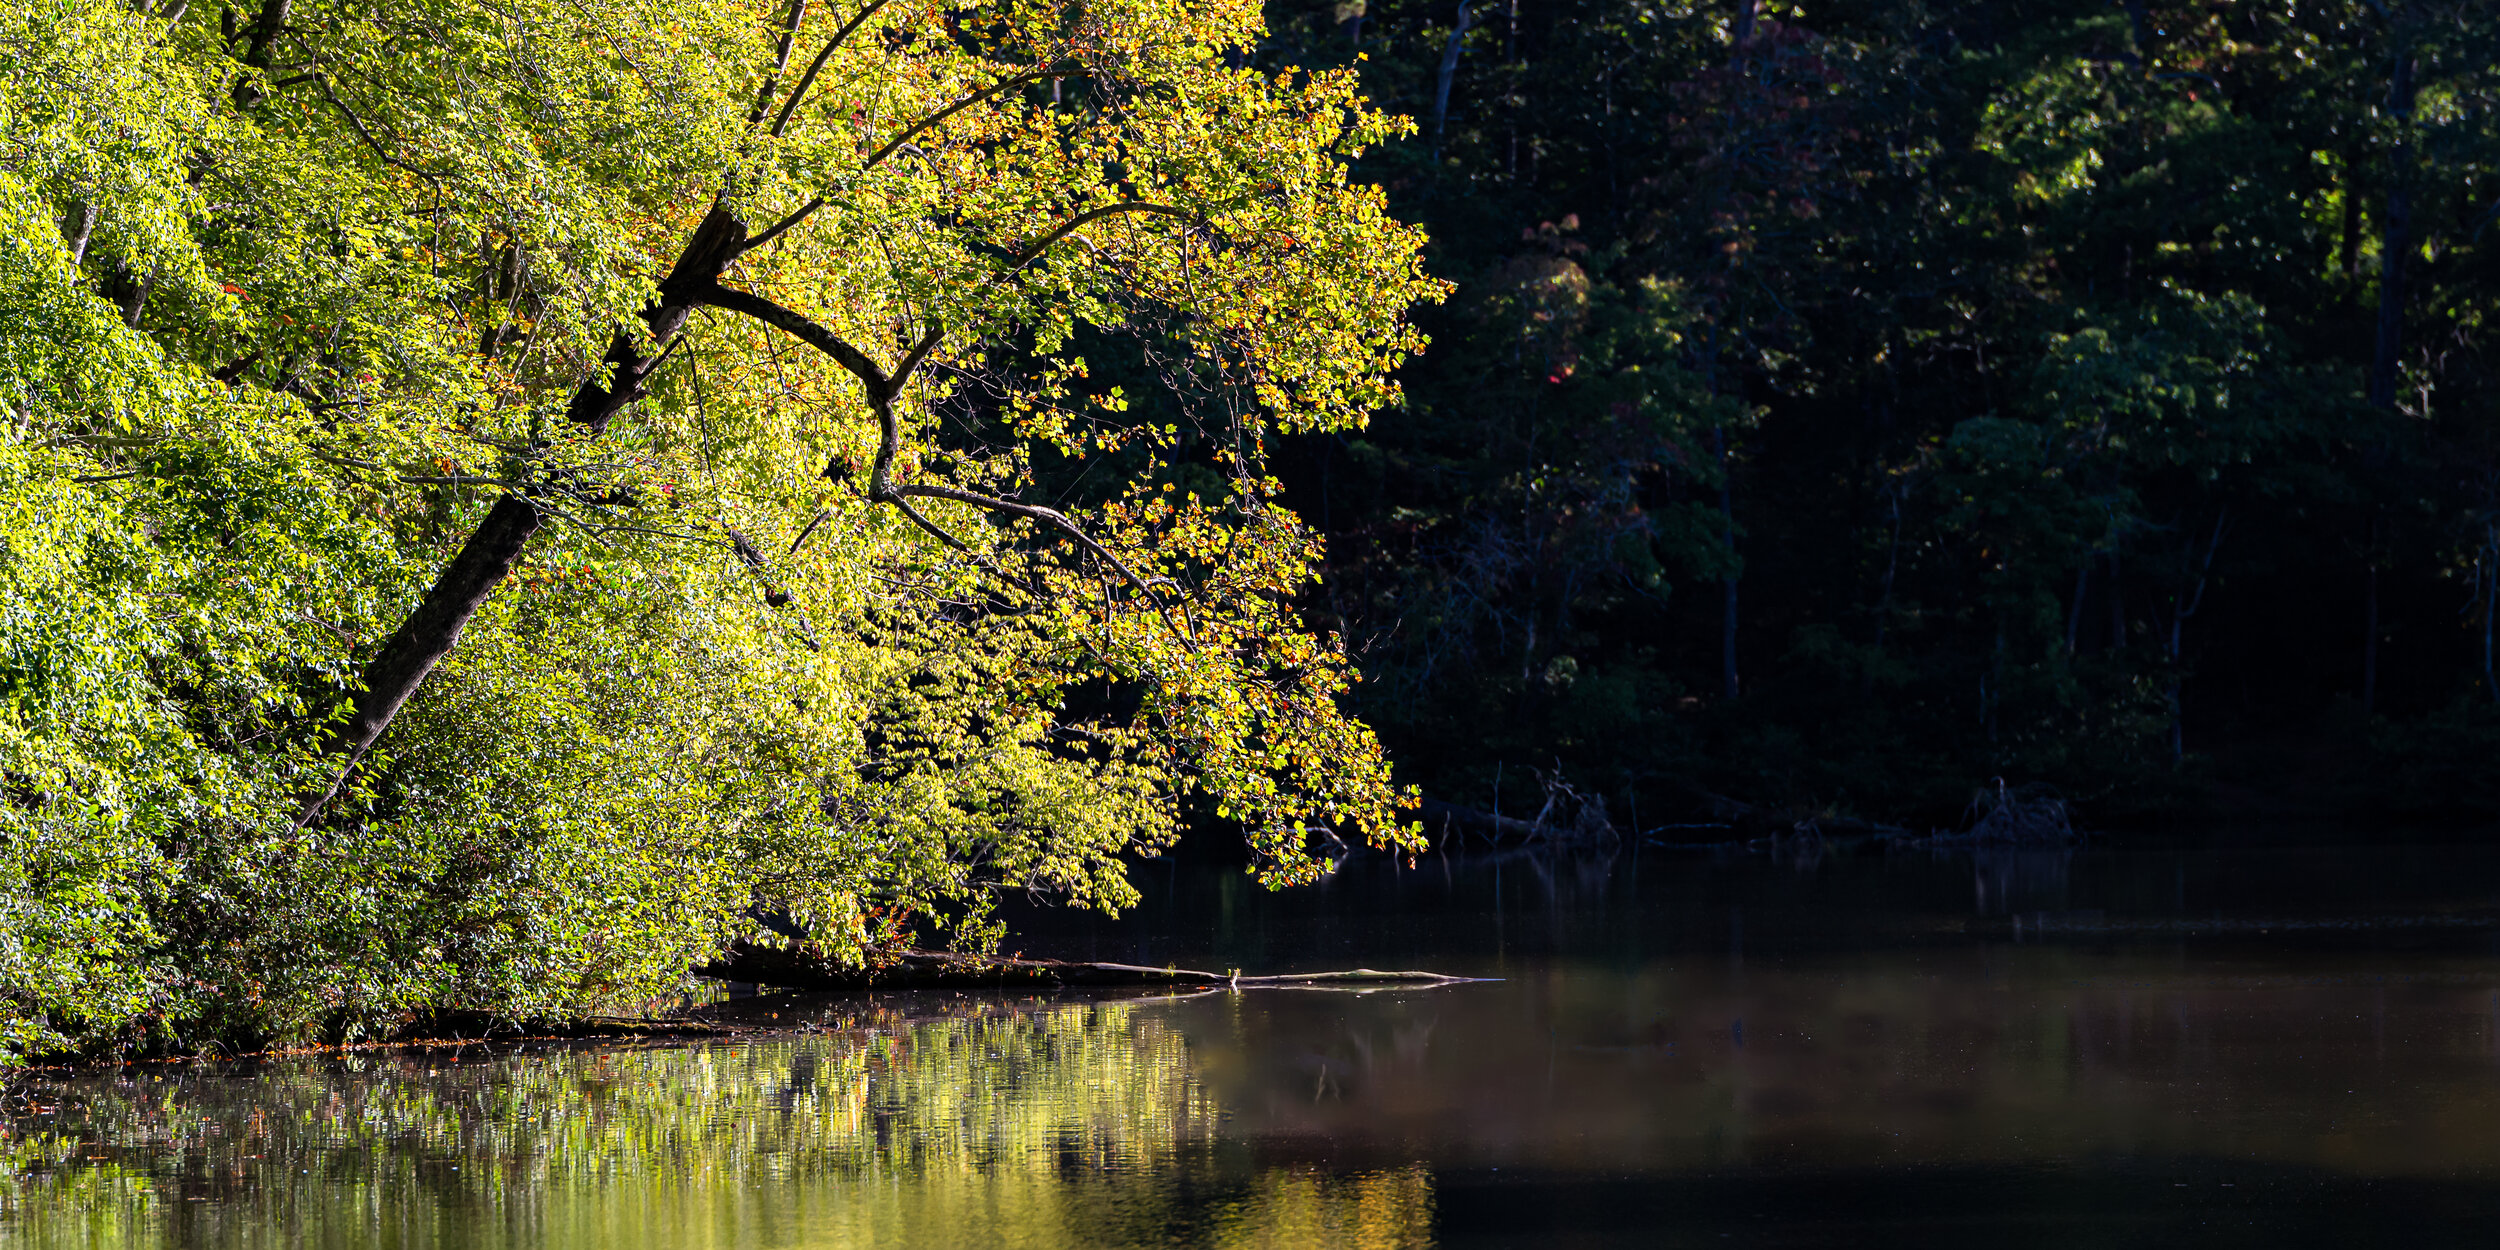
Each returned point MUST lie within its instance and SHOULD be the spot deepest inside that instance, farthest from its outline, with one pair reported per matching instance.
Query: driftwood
(1568, 817)
(1440, 818)
(1738, 812)
(797, 969)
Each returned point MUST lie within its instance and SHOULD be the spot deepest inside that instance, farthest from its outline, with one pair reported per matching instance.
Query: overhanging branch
(801, 327)
(1048, 516)
(881, 388)
(1081, 220)
(878, 157)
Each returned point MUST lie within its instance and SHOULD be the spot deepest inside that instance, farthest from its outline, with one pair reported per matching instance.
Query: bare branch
(904, 506)
(801, 540)
(919, 352)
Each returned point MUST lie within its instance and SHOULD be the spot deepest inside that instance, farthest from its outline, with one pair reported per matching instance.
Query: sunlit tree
(500, 496)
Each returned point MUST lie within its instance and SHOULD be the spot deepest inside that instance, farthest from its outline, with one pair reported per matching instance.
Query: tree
(577, 463)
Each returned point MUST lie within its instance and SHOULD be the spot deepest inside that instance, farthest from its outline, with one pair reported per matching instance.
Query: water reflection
(2072, 1048)
(993, 1123)
(1998, 1057)
(2011, 882)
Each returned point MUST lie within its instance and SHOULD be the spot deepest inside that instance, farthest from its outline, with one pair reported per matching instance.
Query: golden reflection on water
(991, 1126)
(1287, 1119)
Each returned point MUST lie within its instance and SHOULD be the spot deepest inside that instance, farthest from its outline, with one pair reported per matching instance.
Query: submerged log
(935, 970)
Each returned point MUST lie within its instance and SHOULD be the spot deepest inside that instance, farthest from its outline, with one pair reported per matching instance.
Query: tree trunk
(2074, 611)
(2396, 235)
(427, 635)
(2117, 606)
(78, 226)
(2348, 240)
(2491, 605)
(1727, 585)
(2180, 611)
(2369, 640)
(1449, 70)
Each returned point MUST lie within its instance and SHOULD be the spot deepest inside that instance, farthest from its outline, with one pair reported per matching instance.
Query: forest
(1843, 406)
(504, 500)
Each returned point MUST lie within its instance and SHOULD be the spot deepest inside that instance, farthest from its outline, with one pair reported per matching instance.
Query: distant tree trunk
(1727, 608)
(2074, 613)
(1883, 601)
(1892, 569)
(2395, 237)
(2181, 610)
(1727, 584)
(1449, 70)
(1742, 33)
(2490, 569)
(1727, 524)
(2369, 640)
(2140, 32)
(2117, 606)
(2348, 246)
(1992, 689)
(2369, 622)
(1510, 57)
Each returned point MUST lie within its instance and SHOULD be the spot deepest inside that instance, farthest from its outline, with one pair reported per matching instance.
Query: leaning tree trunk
(428, 633)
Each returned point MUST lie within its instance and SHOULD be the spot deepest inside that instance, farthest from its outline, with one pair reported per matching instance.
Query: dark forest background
(1841, 407)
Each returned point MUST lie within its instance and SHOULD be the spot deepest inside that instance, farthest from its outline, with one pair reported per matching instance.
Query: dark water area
(2102, 1047)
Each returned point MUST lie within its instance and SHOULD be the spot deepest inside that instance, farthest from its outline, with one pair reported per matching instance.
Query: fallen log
(939, 970)
(1440, 817)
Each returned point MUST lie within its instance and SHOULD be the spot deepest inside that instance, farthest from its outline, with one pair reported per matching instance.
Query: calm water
(2104, 1048)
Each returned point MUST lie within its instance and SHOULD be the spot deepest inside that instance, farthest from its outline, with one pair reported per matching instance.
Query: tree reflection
(987, 1124)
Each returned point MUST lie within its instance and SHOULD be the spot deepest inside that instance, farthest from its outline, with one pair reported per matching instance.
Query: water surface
(2096, 1048)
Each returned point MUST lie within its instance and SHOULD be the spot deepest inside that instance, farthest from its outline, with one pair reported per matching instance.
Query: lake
(2100, 1047)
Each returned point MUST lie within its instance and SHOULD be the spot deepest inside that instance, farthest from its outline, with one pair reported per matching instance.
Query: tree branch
(781, 61)
(808, 79)
(1073, 224)
(919, 352)
(357, 124)
(881, 390)
(785, 223)
(801, 327)
(263, 33)
(1049, 516)
(878, 157)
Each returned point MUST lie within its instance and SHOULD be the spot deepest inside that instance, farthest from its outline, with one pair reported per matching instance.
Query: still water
(2099, 1048)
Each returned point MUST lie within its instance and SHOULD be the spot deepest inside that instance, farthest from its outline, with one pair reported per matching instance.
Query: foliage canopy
(688, 367)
